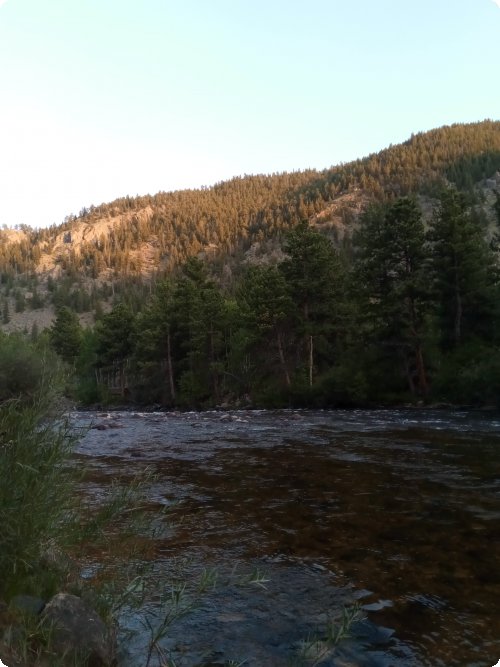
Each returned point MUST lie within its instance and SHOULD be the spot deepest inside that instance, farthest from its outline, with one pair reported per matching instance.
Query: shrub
(35, 484)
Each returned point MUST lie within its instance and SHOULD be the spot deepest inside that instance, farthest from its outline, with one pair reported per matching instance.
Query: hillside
(81, 261)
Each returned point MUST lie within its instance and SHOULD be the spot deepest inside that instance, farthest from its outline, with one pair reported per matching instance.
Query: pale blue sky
(104, 98)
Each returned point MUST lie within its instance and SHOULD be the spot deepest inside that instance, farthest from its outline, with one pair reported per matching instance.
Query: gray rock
(77, 629)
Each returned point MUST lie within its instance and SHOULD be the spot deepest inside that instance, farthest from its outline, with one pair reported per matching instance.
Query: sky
(105, 98)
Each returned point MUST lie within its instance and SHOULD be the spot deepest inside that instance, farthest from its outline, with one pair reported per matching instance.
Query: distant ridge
(239, 220)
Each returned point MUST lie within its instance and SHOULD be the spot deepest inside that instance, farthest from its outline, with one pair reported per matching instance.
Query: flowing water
(397, 508)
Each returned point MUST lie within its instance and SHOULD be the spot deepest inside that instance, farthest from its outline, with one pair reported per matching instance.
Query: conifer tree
(65, 334)
(463, 272)
(113, 344)
(199, 321)
(266, 307)
(153, 345)
(311, 271)
(5, 312)
(392, 278)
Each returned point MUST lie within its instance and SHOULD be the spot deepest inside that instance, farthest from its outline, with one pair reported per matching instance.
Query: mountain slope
(237, 219)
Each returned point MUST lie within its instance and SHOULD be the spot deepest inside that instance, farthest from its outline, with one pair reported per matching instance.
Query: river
(399, 509)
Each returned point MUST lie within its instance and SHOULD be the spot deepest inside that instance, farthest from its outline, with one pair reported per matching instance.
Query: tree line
(408, 312)
(224, 220)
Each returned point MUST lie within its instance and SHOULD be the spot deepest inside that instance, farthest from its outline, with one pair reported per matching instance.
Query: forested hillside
(369, 283)
(150, 234)
(409, 313)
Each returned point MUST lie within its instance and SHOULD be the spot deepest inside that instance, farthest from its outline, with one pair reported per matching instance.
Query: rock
(78, 630)
(319, 567)
(103, 427)
(136, 453)
(7, 657)
(377, 606)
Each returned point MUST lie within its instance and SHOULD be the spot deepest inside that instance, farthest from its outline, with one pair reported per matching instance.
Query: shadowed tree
(65, 334)
(463, 272)
(153, 347)
(391, 271)
(114, 345)
(266, 308)
(311, 271)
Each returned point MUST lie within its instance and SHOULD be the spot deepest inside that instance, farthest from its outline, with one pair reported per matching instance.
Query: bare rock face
(77, 629)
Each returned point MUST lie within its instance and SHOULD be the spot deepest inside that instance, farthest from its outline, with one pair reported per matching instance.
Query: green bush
(35, 484)
(47, 525)
(21, 368)
(35, 490)
(470, 375)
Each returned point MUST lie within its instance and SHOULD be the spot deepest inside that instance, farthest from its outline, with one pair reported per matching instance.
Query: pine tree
(65, 334)
(153, 346)
(391, 272)
(199, 322)
(496, 206)
(463, 272)
(266, 308)
(20, 301)
(5, 312)
(114, 345)
(34, 334)
(311, 271)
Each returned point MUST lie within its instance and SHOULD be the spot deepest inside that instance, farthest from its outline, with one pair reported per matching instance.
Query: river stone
(78, 629)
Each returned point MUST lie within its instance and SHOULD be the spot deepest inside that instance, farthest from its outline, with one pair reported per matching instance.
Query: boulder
(76, 629)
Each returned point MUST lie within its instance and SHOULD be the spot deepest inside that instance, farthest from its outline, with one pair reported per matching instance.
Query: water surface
(401, 508)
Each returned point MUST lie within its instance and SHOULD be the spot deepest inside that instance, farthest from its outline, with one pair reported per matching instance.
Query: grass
(338, 628)
(47, 530)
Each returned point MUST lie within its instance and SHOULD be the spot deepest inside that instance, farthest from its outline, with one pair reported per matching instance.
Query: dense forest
(408, 313)
(370, 283)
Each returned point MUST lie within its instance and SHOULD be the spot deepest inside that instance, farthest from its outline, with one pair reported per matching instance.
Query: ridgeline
(369, 283)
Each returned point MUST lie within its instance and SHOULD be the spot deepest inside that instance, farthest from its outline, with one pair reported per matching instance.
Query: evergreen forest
(372, 283)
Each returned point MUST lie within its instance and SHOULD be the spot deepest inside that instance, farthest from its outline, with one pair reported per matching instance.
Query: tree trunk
(422, 377)
(213, 372)
(411, 384)
(170, 368)
(282, 360)
(423, 387)
(457, 325)
(311, 360)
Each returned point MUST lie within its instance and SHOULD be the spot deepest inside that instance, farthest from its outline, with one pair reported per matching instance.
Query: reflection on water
(404, 504)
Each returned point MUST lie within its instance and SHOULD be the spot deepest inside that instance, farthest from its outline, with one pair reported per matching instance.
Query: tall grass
(36, 490)
(36, 484)
(46, 525)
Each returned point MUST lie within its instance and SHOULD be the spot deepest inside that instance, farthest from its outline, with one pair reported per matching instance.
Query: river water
(399, 509)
